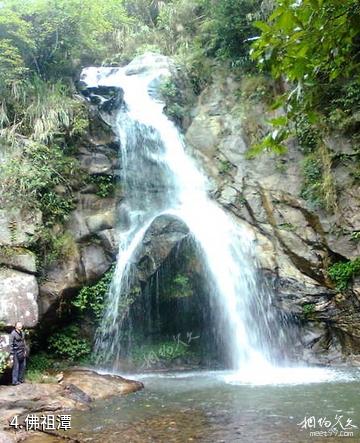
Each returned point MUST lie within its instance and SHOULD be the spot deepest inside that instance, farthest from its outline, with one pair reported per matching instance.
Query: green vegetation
(106, 185)
(175, 103)
(35, 376)
(341, 273)
(68, 344)
(228, 28)
(308, 309)
(40, 362)
(4, 360)
(355, 236)
(177, 286)
(91, 298)
(307, 53)
(181, 286)
(318, 185)
(311, 190)
(287, 226)
(39, 369)
(224, 167)
(30, 180)
(50, 246)
(319, 75)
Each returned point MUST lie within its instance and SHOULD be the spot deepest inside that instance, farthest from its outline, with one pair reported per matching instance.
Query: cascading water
(158, 177)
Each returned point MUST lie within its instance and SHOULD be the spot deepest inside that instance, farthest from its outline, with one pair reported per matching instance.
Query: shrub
(341, 273)
(307, 135)
(180, 287)
(105, 185)
(4, 360)
(224, 167)
(91, 298)
(40, 362)
(311, 189)
(175, 106)
(30, 178)
(225, 33)
(69, 344)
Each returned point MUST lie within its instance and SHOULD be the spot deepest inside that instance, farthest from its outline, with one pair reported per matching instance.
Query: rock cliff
(296, 242)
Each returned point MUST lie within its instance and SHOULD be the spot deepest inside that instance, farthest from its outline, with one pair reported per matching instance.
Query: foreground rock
(78, 388)
(98, 386)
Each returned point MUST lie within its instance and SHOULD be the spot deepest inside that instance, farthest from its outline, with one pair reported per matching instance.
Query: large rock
(63, 279)
(95, 262)
(77, 389)
(18, 258)
(98, 386)
(87, 263)
(97, 160)
(93, 214)
(161, 237)
(18, 300)
(18, 227)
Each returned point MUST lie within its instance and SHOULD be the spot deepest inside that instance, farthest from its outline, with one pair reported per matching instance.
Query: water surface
(216, 406)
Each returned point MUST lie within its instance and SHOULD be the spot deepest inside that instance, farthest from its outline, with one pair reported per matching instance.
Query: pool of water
(282, 405)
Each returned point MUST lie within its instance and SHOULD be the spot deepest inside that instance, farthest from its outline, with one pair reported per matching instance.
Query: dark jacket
(17, 344)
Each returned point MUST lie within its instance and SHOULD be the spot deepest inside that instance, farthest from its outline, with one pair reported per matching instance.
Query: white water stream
(159, 177)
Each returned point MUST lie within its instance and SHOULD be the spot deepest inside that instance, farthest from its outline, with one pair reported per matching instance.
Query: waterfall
(159, 177)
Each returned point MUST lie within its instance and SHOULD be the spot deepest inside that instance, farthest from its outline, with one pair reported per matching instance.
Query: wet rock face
(164, 234)
(295, 243)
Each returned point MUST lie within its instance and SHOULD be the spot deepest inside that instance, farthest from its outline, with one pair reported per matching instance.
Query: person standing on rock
(18, 352)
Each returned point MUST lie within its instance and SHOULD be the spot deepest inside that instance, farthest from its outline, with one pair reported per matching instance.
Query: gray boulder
(18, 300)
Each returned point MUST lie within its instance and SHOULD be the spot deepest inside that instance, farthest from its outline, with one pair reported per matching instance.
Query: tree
(227, 31)
(315, 46)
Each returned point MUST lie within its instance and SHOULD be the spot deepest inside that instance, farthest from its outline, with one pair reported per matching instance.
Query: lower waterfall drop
(158, 177)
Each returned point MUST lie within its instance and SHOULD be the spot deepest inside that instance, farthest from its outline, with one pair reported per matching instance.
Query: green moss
(179, 286)
(224, 166)
(287, 226)
(341, 273)
(51, 246)
(308, 310)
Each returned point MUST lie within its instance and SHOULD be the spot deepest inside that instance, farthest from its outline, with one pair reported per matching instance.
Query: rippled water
(228, 407)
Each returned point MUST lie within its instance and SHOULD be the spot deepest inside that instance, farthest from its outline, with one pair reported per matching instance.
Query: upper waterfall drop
(158, 177)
